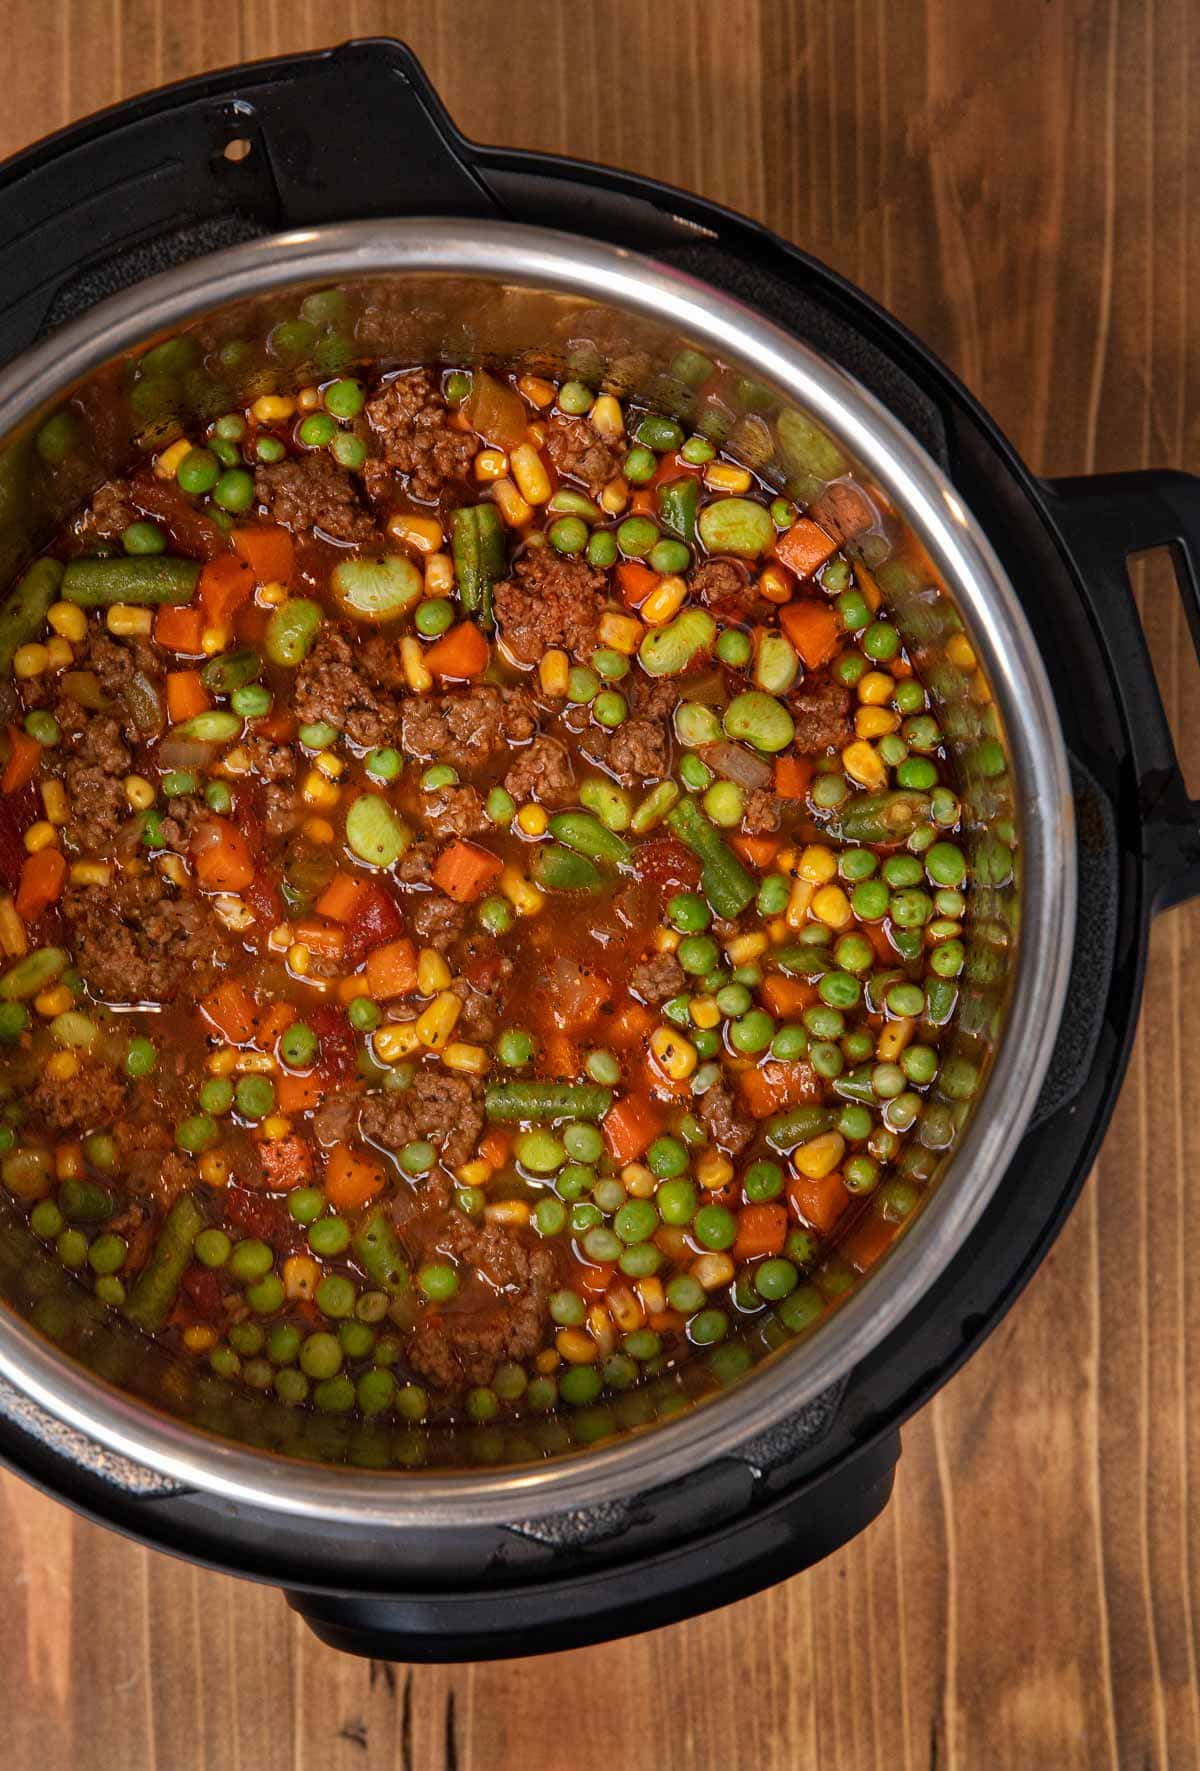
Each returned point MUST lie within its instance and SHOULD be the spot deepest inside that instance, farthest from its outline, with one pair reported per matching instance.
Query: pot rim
(569, 264)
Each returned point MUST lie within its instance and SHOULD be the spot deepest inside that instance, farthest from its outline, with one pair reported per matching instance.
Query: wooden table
(1013, 179)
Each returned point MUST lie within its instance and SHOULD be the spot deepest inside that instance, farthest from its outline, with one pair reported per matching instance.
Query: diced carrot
(267, 550)
(761, 1230)
(577, 999)
(352, 1178)
(666, 1322)
(877, 935)
(24, 756)
(820, 1203)
(595, 1280)
(341, 897)
(559, 1055)
(786, 997)
(465, 870)
(225, 584)
(776, 1084)
(327, 939)
(230, 1008)
(392, 970)
(180, 630)
(221, 856)
(674, 467)
(42, 879)
(642, 504)
(273, 1023)
(636, 581)
(870, 1238)
(463, 652)
(872, 595)
(805, 548)
(812, 628)
(278, 725)
(792, 776)
(632, 1023)
(630, 1125)
(299, 1094)
(186, 696)
(287, 1163)
(756, 851)
(495, 1145)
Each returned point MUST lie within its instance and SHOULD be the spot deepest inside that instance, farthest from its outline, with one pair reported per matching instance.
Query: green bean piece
(24, 613)
(726, 884)
(381, 1258)
(133, 578)
(477, 544)
(678, 502)
(760, 720)
(157, 1285)
(557, 869)
(737, 526)
(786, 1131)
(566, 503)
(292, 630)
(377, 590)
(588, 836)
(666, 651)
(510, 1101)
(33, 973)
(85, 1202)
(881, 817)
(232, 670)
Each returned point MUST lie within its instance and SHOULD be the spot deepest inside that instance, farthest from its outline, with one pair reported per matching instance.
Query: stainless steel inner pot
(516, 297)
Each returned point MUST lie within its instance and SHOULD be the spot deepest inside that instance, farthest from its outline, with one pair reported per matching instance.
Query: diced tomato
(332, 1029)
(663, 860)
(263, 897)
(260, 1214)
(202, 1289)
(376, 919)
(286, 1163)
(17, 812)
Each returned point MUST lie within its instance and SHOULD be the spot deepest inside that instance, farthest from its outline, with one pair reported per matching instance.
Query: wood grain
(1013, 178)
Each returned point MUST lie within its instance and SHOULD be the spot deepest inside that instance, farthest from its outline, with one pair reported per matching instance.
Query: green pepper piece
(477, 543)
(588, 836)
(131, 578)
(25, 611)
(232, 670)
(678, 502)
(561, 870)
(157, 1285)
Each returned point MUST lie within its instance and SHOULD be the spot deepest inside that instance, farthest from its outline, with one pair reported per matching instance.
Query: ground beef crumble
(445, 1108)
(138, 940)
(821, 709)
(463, 1346)
(550, 601)
(580, 453)
(92, 1097)
(543, 771)
(418, 437)
(658, 978)
(332, 685)
(95, 762)
(469, 727)
(313, 492)
(726, 1124)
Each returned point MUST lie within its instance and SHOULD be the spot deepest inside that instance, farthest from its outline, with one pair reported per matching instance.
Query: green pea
(417, 1157)
(46, 1220)
(714, 1227)
(666, 1158)
(826, 1059)
(550, 1217)
(317, 430)
(500, 806)
(869, 900)
(584, 1143)
(329, 1236)
(602, 550)
(250, 1260)
(909, 696)
(854, 954)
(141, 1057)
(880, 642)
(609, 709)
(773, 895)
(496, 916)
(919, 1064)
(734, 648)
(321, 1355)
(218, 797)
(107, 1253)
(575, 398)
(573, 1180)
(515, 1047)
(733, 999)
(439, 776)
(344, 398)
(670, 556)
(829, 791)
(839, 989)
(762, 1181)
(693, 773)
(434, 616)
(636, 536)
(582, 684)
(945, 864)
(470, 1201)
(254, 1096)
(568, 535)
(567, 1309)
(707, 1327)
(234, 491)
(697, 451)
(636, 1221)
(348, 450)
(603, 1067)
(266, 1296)
(298, 1044)
(198, 472)
(640, 466)
(539, 1151)
(947, 960)
(724, 804)
(684, 1293)
(752, 1033)
(306, 1204)
(438, 1281)
(856, 864)
(916, 772)
(640, 1260)
(601, 1244)
(384, 765)
(197, 1133)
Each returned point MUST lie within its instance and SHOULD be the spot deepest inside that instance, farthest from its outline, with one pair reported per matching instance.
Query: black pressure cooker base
(148, 185)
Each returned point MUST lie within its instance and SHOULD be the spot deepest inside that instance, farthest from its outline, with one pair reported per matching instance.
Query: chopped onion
(185, 753)
(736, 764)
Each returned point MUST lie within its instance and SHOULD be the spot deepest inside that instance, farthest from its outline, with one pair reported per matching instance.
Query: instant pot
(206, 201)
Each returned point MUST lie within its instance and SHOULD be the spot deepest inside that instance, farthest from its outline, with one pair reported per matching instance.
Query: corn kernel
(704, 1011)
(723, 476)
(600, 1327)
(272, 409)
(62, 1066)
(554, 673)
(832, 907)
(876, 688)
(960, 651)
(301, 1276)
(576, 1347)
(318, 830)
(68, 1162)
(271, 595)
(665, 940)
(139, 792)
(41, 835)
(521, 893)
(675, 1055)
(95, 873)
(773, 584)
(299, 957)
(54, 801)
(651, 1295)
(167, 464)
(318, 791)
(533, 482)
(173, 867)
(280, 937)
(546, 1361)
(433, 974)
(125, 620)
(621, 633)
(863, 764)
(423, 534)
(54, 1001)
(30, 661)
(276, 1126)
(491, 464)
(416, 674)
(511, 505)
(329, 764)
(538, 392)
(468, 1060)
(439, 575)
(777, 929)
(399, 1039)
(893, 1037)
(214, 640)
(236, 761)
(637, 1181)
(254, 1063)
(615, 496)
(532, 820)
(799, 899)
(221, 1063)
(507, 1211)
(817, 863)
(58, 653)
(875, 722)
(713, 1170)
(214, 1168)
(607, 418)
(820, 1156)
(201, 1337)
(13, 942)
(308, 399)
(664, 601)
(712, 1270)
(436, 1023)
(745, 949)
(625, 1309)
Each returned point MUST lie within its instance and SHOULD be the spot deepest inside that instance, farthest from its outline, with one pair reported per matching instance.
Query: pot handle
(1104, 518)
